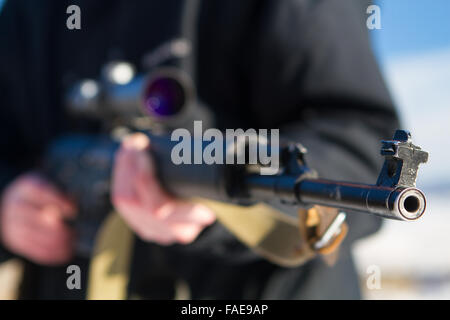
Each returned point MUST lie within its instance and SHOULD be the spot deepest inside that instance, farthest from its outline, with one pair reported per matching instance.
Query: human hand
(32, 221)
(150, 211)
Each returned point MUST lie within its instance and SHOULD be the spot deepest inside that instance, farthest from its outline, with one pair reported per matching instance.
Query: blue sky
(412, 26)
(413, 48)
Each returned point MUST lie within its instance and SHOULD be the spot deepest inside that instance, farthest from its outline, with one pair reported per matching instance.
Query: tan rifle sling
(281, 239)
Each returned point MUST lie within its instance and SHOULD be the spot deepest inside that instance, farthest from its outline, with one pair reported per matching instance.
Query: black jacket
(303, 66)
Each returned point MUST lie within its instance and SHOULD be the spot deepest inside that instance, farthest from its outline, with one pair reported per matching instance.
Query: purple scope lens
(164, 97)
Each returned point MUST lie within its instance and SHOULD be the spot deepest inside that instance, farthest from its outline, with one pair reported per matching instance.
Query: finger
(39, 193)
(186, 234)
(187, 212)
(40, 219)
(123, 172)
(18, 213)
(39, 247)
(135, 181)
(136, 141)
(54, 239)
(149, 191)
(147, 226)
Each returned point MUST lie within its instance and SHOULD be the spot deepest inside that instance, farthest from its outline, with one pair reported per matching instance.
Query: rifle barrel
(394, 203)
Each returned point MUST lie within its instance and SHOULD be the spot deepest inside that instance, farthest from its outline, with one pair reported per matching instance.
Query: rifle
(81, 164)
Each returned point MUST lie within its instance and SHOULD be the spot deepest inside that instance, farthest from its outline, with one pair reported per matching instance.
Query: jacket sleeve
(311, 72)
(313, 75)
(13, 155)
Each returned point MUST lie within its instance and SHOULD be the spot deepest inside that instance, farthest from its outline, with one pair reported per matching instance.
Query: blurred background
(413, 49)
